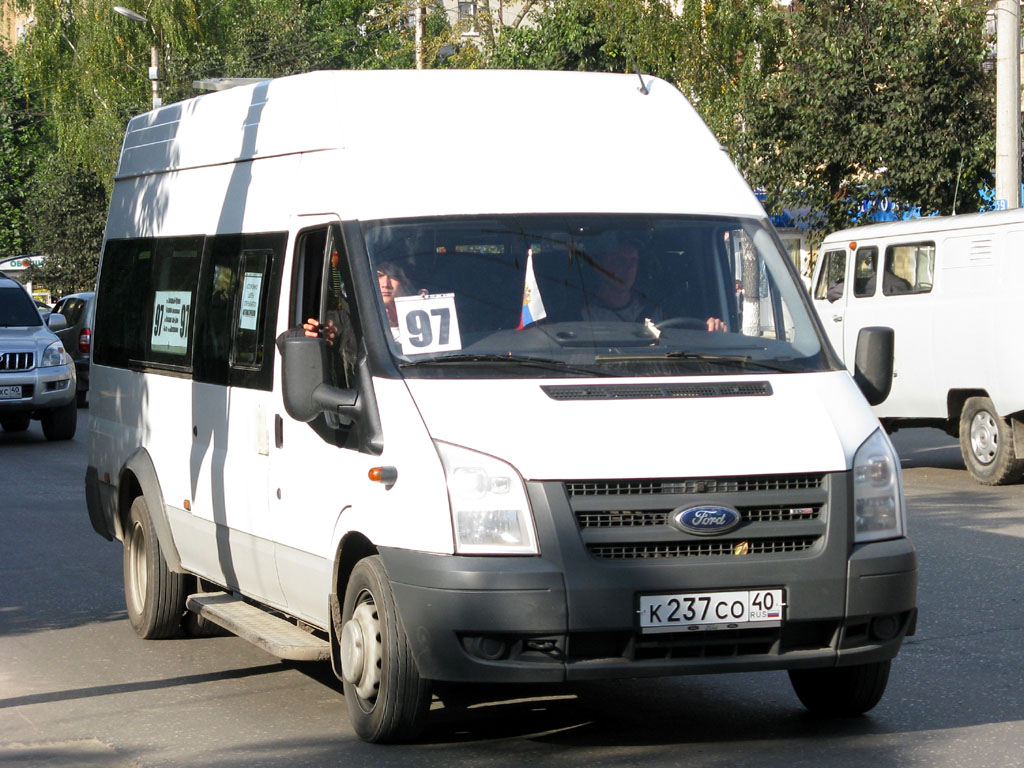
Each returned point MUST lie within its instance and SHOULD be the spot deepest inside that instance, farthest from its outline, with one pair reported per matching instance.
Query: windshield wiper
(684, 354)
(534, 362)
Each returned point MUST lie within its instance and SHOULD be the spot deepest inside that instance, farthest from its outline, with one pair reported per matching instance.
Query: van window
(121, 302)
(238, 304)
(909, 268)
(172, 301)
(587, 294)
(865, 269)
(832, 277)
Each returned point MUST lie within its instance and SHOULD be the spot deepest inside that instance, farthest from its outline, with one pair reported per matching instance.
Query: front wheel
(841, 691)
(986, 442)
(387, 699)
(154, 595)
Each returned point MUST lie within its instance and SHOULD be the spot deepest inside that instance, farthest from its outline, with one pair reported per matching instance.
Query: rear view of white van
(356, 403)
(948, 288)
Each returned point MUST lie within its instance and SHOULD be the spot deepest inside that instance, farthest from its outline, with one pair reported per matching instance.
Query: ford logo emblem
(706, 521)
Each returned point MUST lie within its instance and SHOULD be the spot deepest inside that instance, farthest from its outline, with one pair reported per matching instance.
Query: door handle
(837, 318)
(278, 430)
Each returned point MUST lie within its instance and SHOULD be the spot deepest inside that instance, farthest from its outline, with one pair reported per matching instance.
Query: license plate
(10, 392)
(711, 610)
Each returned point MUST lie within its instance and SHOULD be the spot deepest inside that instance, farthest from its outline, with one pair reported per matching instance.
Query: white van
(537, 436)
(949, 291)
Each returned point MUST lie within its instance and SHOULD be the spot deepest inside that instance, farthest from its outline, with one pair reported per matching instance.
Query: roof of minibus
(438, 142)
(925, 225)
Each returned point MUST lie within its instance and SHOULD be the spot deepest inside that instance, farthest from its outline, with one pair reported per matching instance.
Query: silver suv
(37, 375)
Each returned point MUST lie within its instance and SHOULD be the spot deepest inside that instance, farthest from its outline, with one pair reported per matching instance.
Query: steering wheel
(691, 323)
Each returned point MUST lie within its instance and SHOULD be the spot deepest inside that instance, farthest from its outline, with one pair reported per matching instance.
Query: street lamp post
(154, 51)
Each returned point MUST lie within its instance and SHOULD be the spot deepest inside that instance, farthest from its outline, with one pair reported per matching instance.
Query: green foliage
(68, 210)
(19, 133)
(873, 98)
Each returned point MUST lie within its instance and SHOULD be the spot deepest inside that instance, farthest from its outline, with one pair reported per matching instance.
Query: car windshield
(590, 295)
(16, 308)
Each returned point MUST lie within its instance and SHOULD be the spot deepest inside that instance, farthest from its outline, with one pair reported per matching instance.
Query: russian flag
(533, 304)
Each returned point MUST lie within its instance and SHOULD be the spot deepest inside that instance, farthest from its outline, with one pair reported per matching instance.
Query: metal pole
(1008, 102)
(154, 74)
(421, 23)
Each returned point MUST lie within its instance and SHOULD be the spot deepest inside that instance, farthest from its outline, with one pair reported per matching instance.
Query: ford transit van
(375, 385)
(947, 287)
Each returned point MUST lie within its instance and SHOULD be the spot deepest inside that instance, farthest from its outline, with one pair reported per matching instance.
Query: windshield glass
(16, 308)
(598, 295)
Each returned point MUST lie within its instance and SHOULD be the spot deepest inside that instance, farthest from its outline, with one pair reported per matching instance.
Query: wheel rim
(362, 649)
(137, 574)
(984, 437)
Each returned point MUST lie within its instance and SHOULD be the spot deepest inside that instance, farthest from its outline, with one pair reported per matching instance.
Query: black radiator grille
(691, 485)
(705, 548)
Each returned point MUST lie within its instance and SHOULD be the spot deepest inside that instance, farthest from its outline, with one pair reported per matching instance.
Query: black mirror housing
(874, 362)
(304, 377)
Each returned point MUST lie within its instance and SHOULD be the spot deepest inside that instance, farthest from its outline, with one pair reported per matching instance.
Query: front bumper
(42, 388)
(571, 615)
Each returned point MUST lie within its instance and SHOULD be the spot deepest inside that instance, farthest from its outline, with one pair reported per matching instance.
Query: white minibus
(443, 377)
(948, 290)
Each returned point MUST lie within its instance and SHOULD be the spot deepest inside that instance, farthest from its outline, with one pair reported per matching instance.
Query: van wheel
(387, 699)
(16, 423)
(986, 442)
(60, 423)
(155, 596)
(841, 691)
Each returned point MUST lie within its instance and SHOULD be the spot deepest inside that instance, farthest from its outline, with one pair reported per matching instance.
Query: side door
(830, 295)
(233, 373)
(316, 471)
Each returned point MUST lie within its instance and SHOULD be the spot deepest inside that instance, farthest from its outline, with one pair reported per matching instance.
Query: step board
(273, 634)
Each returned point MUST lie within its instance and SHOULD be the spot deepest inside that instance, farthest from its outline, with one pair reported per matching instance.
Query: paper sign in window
(172, 312)
(427, 323)
(249, 304)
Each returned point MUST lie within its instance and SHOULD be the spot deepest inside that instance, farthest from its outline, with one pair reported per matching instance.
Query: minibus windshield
(589, 295)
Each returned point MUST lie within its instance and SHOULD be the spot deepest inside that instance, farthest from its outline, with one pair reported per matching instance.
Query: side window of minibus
(832, 277)
(865, 271)
(172, 302)
(909, 269)
(120, 328)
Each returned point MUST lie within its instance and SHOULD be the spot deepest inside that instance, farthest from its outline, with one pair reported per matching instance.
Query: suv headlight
(55, 355)
(490, 512)
(878, 509)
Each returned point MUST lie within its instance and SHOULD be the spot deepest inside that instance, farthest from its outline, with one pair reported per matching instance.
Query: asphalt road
(77, 688)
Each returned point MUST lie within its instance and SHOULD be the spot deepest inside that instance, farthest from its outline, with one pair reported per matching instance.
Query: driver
(616, 298)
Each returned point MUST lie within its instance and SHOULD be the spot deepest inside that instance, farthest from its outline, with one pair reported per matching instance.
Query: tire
(386, 697)
(61, 423)
(841, 691)
(155, 597)
(986, 442)
(17, 422)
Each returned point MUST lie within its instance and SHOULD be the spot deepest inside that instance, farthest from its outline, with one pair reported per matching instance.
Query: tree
(68, 209)
(19, 135)
(875, 98)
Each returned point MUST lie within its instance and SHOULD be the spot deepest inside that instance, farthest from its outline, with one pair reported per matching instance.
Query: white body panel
(958, 336)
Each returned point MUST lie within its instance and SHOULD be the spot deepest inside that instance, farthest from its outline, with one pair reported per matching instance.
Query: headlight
(877, 491)
(490, 512)
(55, 355)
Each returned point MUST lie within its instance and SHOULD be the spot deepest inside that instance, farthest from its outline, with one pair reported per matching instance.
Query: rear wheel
(387, 700)
(986, 442)
(841, 691)
(17, 422)
(60, 423)
(155, 596)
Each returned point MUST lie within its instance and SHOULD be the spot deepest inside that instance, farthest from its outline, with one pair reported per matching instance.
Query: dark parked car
(77, 309)
(37, 375)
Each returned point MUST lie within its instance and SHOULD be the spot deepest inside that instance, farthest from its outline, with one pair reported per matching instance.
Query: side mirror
(56, 322)
(873, 362)
(304, 377)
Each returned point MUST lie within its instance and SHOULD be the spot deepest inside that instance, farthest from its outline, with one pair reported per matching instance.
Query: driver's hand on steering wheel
(716, 325)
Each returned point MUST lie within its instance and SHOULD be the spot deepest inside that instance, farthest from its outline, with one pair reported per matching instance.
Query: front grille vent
(629, 518)
(753, 484)
(772, 546)
(16, 361)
